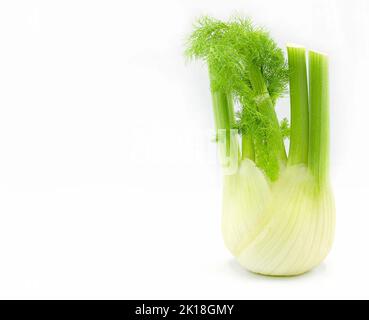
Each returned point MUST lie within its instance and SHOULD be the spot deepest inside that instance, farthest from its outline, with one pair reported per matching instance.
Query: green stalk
(318, 161)
(223, 112)
(299, 138)
(266, 108)
(247, 147)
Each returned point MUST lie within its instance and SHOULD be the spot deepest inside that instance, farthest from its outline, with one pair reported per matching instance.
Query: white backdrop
(109, 184)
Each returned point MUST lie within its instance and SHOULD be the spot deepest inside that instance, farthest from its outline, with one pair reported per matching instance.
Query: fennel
(278, 210)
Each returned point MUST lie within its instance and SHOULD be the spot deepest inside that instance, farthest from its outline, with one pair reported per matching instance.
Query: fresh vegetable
(278, 210)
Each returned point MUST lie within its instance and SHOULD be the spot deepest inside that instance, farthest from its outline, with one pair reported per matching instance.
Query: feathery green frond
(285, 128)
(245, 62)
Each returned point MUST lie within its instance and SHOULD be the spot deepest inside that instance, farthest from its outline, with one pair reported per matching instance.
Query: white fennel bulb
(287, 231)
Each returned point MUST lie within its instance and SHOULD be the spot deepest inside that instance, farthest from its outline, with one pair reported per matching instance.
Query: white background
(109, 185)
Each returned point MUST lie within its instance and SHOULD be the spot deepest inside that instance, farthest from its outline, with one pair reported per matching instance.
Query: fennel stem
(248, 151)
(265, 106)
(299, 101)
(318, 160)
(223, 115)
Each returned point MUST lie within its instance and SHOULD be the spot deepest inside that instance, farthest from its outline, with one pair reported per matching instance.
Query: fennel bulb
(278, 211)
(286, 228)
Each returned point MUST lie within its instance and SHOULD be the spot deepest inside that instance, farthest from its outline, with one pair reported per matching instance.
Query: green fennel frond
(234, 52)
(285, 128)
